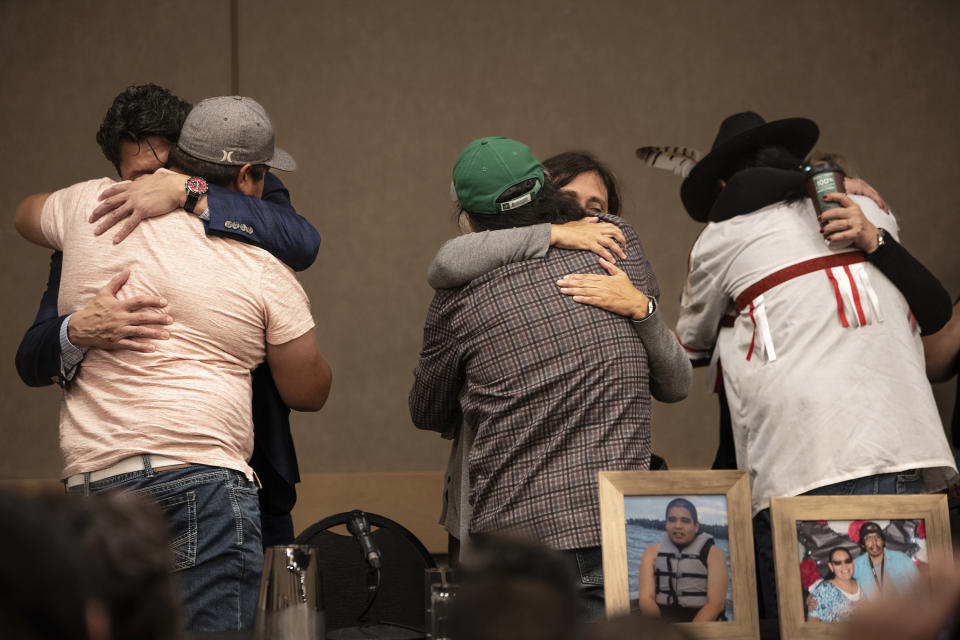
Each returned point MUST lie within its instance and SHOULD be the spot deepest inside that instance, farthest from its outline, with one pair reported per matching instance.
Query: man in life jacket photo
(684, 577)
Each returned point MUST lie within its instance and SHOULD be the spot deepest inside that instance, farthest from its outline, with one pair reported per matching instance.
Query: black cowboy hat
(739, 135)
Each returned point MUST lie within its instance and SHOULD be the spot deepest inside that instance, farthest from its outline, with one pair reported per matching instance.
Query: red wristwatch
(196, 188)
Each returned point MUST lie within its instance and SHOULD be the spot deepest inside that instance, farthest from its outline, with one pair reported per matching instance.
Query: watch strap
(651, 309)
(883, 241)
(191, 203)
(196, 188)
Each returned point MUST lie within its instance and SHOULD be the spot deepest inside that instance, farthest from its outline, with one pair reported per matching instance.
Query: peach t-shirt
(190, 399)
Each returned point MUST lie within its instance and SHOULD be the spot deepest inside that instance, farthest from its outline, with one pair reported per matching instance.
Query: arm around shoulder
(472, 255)
(301, 374)
(270, 223)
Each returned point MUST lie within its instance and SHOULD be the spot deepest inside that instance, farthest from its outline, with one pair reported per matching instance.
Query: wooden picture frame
(786, 513)
(616, 486)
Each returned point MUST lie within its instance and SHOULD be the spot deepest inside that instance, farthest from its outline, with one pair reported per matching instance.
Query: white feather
(677, 159)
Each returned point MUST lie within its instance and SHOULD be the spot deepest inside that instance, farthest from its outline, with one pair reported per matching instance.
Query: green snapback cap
(489, 166)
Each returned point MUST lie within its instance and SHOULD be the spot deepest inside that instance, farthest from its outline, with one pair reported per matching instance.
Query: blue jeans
(214, 519)
(904, 482)
(589, 567)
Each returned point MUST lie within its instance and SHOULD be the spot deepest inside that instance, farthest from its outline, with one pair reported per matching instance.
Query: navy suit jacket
(272, 224)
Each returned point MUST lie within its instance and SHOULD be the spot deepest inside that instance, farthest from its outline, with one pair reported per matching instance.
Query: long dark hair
(550, 205)
(566, 166)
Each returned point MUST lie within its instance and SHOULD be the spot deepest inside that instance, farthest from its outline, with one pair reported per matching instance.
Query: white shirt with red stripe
(821, 358)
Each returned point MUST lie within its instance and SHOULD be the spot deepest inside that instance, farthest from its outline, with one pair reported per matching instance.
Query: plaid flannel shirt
(556, 390)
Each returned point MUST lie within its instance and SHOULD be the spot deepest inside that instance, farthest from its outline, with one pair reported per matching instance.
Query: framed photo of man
(833, 554)
(679, 545)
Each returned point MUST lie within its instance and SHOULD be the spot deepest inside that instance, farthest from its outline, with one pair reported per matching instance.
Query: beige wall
(375, 98)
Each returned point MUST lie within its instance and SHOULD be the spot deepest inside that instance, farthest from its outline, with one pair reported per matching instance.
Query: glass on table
(440, 590)
(290, 605)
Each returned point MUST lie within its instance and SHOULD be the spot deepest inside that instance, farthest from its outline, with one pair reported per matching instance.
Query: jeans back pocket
(180, 510)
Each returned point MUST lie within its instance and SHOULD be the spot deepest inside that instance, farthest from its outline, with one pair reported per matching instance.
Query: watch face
(197, 185)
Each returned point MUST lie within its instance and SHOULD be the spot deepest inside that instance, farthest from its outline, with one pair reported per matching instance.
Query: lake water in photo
(639, 538)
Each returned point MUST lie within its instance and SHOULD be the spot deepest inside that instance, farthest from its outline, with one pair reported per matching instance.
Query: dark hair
(222, 175)
(137, 113)
(42, 594)
(123, 537)
(771, 157)
(831, 574)
(550, 205)
(515, 589)
(686, 504)
(633, 627)
(566, 166)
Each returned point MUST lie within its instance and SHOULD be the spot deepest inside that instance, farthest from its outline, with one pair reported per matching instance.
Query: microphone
(359, 528)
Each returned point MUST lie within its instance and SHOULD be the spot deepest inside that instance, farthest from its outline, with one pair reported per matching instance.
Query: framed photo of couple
(834, 554)
(679, 545)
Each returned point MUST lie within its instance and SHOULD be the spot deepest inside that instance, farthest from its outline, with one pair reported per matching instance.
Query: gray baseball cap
(232, 130)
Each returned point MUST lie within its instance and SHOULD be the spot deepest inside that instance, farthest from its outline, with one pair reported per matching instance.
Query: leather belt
(128, 465)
